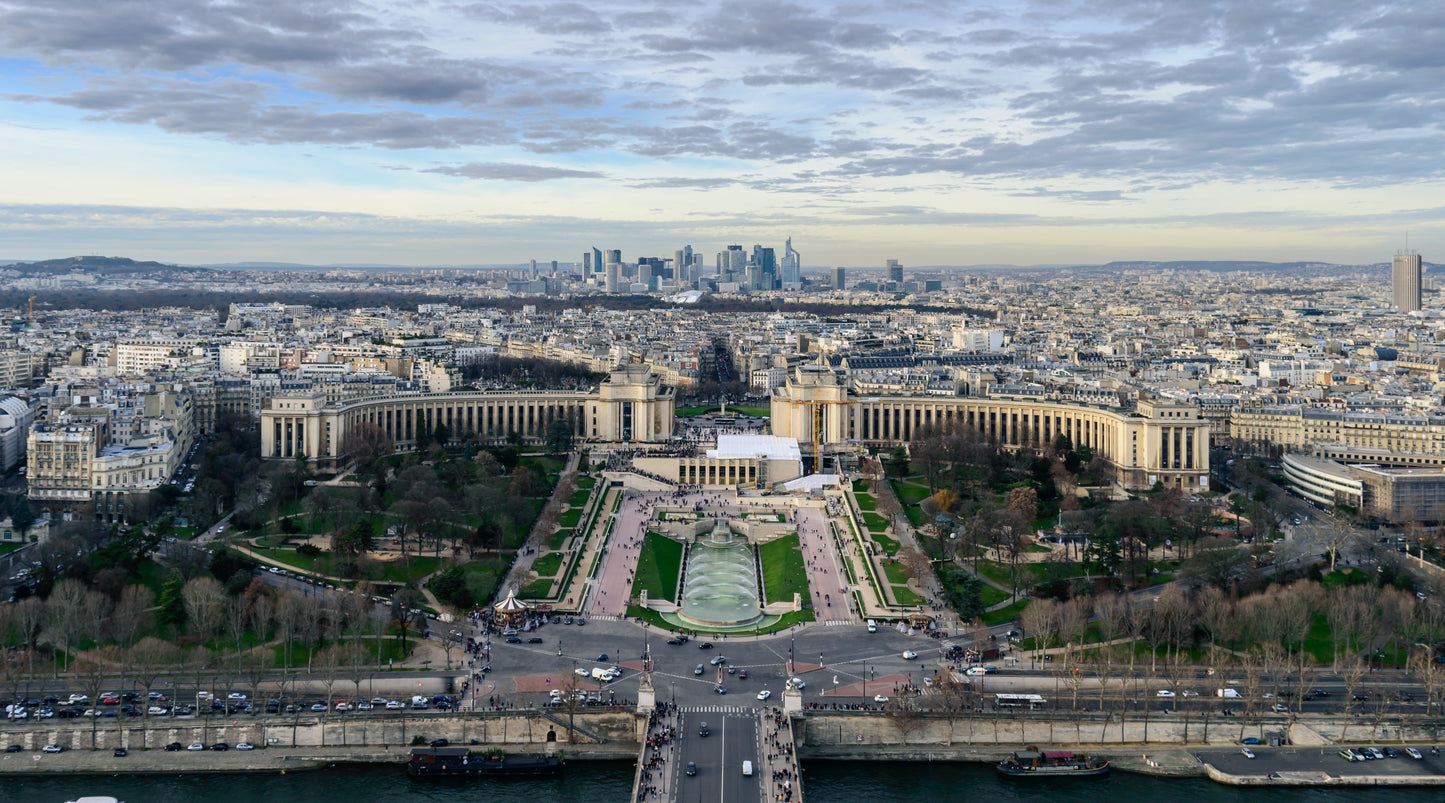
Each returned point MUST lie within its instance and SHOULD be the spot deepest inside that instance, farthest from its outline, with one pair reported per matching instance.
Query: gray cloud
(502, 171)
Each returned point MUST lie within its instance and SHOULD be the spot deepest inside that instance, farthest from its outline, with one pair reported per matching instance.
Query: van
(748, 768)
(872, 626)
(1230, 693)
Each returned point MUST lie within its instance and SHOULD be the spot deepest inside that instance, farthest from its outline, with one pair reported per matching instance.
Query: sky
(935, 133)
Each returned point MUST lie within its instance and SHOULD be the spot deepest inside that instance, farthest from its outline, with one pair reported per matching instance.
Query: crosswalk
(837, 622)
(718, 709)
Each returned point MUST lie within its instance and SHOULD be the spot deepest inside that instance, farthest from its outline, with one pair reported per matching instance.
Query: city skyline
(931, 134)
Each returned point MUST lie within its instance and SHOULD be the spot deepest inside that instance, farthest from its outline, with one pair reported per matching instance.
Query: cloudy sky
(448, 131)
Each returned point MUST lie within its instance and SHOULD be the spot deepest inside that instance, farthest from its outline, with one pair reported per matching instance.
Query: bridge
(719, 744)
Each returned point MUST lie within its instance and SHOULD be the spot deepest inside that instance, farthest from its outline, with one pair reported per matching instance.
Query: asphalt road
(719, 759)
(1286, 760)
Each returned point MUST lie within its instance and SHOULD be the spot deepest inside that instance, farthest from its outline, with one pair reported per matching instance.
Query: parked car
(120, 752)
(52, 748)
(880, 698)
(194, 746)
(173, 747)
(1164, 693)
(220, 746)
(1249, 740)
(245, 746)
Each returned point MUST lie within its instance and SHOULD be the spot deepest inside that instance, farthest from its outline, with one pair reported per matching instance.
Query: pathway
(827, 581)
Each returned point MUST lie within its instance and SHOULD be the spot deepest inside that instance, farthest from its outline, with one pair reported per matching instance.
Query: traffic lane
(740, 737)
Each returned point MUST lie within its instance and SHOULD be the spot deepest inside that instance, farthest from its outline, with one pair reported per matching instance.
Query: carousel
(511, 610)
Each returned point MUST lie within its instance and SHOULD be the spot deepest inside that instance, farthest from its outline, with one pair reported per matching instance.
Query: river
(610, 782)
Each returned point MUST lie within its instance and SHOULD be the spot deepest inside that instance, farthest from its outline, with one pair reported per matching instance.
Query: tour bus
(1032, 702)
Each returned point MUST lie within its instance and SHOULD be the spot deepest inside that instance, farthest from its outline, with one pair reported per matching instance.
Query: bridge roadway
(716, 740)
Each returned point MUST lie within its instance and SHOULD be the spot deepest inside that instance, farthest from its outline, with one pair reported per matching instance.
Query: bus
(1032, 702)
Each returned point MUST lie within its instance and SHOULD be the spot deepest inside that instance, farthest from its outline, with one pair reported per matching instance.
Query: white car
(156, 711)
(975, 671)
(245, 746)
(764, 694)
(78, 698)
(1188, 693)
(1413, 753)
(1247, 752)
(798, 684)
(909, 655)
(393, 705)
(195, 746)
(880, 698)
(51, 748)
(364, 706)
(1164, 693)
(235, 695)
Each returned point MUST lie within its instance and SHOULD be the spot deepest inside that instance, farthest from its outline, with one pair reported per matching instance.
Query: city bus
(1032, 702)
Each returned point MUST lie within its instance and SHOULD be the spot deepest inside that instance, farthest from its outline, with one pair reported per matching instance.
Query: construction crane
(32, 311)
(818, 427)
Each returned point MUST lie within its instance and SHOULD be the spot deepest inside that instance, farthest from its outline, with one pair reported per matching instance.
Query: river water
(610, 782)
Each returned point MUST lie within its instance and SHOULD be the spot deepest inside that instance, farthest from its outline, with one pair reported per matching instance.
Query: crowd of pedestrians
(661, 732)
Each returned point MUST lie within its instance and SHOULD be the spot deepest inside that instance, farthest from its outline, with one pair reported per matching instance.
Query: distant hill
(98, 265)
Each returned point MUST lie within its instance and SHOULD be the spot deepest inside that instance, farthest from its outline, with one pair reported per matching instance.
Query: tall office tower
(614, 277)
(679, 267)
(586, 263)
(615, 255)
(1405, 281)
(767, 267)
(644, 273)
(792, 263)
(597, 261)
(839, 279)
(534, 269)
(554, 266)
(755, 277)
(895, 271)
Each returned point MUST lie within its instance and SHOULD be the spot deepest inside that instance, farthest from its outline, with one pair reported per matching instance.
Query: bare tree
(205, 600)
(66, 612)
(238, 617)
(151, 657)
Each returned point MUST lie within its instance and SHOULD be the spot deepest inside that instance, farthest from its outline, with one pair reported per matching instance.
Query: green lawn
(548, 565)
(888, 545)
(784, 572)
(895, 572)
(874, 522)
(1002, 615)
(414, 567)
(579, 497)
(755, 412)
(390, 649)
(866, 502)
(991, 596)
(570, 518)
(905, 596)
(908, 493)
(860, 486)
(1319, 641)
(658, 567)
(585, 482)
(557, 539)
(10, 546)
(537, 589)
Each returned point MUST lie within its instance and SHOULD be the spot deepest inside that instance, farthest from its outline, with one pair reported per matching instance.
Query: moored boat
(1053, 764)
(459, 761)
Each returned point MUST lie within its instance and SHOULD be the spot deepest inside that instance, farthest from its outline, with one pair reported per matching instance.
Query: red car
(110, 701)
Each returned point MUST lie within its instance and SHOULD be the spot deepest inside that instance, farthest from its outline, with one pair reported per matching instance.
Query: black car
(120, 752)
(218, 746)
(514, 640)
(706, 645)
(440, 743)
(676, 641)
(534, 640)
(691, 768)
(174, 747)
(14, 748)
